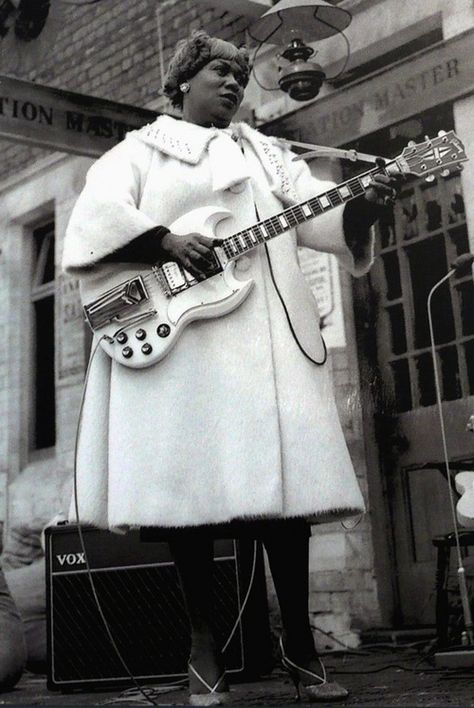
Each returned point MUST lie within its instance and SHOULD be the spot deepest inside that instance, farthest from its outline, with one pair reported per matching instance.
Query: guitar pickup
(115, 302)
(174, 278)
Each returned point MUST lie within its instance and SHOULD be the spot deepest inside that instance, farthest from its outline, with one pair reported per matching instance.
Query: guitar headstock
(433, 155)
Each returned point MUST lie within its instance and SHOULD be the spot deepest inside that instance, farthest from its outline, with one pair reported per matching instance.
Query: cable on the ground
(132, 695)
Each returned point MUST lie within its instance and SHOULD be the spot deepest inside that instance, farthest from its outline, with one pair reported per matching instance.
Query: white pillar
(463, 112)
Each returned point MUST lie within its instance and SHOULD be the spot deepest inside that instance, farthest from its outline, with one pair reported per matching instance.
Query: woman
(238, 421)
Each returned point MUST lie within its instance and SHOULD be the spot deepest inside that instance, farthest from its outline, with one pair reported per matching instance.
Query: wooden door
(417, 240)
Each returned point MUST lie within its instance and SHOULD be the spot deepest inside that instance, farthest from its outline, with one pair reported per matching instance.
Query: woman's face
(215, 94)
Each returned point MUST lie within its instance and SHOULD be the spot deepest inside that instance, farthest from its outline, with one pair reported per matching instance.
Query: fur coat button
(237, 188)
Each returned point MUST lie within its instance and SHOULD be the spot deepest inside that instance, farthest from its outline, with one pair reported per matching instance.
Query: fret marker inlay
(345, 191)
(324, 201)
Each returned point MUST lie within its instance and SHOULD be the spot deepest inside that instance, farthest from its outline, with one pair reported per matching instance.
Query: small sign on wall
(322, 274)
(71, 359)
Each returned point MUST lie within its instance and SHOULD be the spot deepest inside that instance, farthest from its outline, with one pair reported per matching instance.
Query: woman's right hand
(193, 251)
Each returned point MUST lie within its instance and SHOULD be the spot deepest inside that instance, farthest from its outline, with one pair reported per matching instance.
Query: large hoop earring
(184, 87)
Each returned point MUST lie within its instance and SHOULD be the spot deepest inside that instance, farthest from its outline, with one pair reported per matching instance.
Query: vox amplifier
(140, 596)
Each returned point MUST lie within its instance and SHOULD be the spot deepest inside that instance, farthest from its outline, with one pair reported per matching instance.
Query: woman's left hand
(385, 189)
(382, 193)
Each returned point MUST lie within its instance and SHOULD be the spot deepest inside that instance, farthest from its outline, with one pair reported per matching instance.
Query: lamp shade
(308, 20)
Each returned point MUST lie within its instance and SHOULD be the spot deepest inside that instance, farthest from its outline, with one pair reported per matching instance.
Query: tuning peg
(430, 178)
(445, 173)
(428, 140)
(441, 133)
(411, 143)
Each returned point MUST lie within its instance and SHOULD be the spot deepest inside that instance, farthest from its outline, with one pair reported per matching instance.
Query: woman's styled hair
(192, 54)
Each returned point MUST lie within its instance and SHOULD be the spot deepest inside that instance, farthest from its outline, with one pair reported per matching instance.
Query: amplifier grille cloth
(147, 618)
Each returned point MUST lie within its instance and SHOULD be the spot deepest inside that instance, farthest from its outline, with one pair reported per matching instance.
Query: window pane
(409, 213)
(469, 356)
(44, 421)
(45, 411)
(466, 297)
(397, 329)
(392, 275)
(44, 246)
(433, 216)
(401, 382)
(387, 228)
(451, 384)
(425, 374)
(427, 261)
(456, 210)
(460, 239)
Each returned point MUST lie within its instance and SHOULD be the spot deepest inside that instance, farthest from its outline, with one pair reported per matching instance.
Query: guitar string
(334, 196)
(354, 183)
(274, 223)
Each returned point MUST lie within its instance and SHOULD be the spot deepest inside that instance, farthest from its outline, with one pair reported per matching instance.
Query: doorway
(416, 241)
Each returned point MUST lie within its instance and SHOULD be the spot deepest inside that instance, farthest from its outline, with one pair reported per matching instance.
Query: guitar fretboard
(264, 230)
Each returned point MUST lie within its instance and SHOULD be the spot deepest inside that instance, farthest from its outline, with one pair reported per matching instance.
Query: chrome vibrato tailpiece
(117, 301)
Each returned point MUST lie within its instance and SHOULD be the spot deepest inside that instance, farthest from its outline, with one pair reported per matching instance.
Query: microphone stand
(461, 264)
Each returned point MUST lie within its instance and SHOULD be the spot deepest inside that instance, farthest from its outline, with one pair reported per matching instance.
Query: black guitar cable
(288, 318)
(285, 309)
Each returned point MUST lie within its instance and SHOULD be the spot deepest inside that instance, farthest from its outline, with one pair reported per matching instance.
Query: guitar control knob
(147, 348)
(122, 338)
(127, 352)
(140, 334)
(163, 330)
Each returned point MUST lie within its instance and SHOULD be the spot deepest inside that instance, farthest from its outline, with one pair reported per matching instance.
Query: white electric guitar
(143, 312)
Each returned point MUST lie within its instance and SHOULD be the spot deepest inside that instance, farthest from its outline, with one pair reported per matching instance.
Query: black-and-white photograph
(237, 352)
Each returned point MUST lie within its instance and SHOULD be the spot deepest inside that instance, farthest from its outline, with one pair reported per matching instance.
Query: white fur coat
(235, 422)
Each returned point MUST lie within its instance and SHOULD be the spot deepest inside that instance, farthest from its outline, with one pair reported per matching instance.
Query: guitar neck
(263, 231)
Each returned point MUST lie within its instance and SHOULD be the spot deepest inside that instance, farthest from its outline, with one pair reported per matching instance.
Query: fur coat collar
(189, 142)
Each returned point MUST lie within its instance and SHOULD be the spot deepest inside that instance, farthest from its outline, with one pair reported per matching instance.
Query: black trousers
(286, 542)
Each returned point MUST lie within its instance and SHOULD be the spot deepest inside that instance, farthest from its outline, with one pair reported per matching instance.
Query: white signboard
(322, 273)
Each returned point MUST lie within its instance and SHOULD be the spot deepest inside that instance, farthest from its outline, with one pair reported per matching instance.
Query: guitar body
(149, 317)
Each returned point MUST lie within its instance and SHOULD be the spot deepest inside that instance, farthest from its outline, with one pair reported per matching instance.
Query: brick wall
(111, 50)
